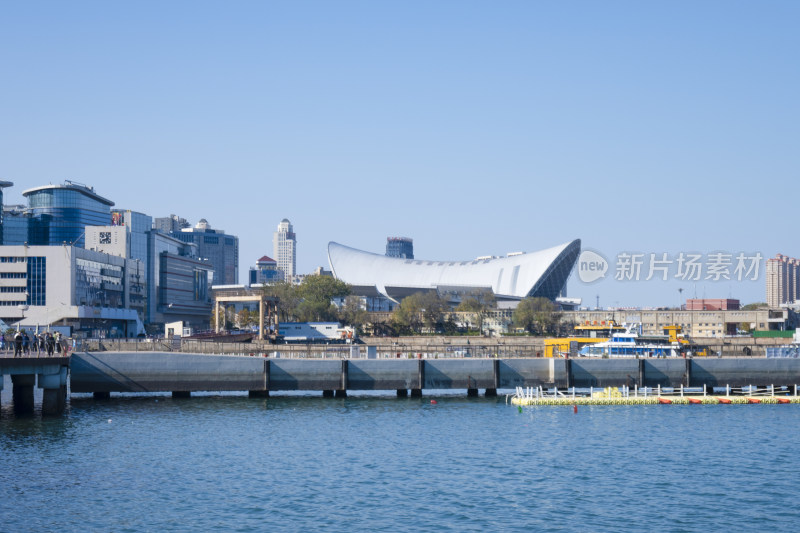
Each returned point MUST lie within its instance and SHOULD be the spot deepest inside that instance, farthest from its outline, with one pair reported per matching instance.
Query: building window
(37, 281)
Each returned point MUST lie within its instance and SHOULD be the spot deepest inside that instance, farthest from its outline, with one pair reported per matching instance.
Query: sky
(475, 128)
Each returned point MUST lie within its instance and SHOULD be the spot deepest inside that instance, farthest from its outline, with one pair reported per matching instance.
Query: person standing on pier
(17, 343)
(26, 342)
(50, 343)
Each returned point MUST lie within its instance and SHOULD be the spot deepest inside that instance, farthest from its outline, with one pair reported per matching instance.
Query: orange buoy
(433, 402)
(664, 401)
(753, 400)
(575, 408)
(695, 400)
(784, 400)
(724, 400)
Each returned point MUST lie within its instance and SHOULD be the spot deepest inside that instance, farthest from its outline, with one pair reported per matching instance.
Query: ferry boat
(632, 344)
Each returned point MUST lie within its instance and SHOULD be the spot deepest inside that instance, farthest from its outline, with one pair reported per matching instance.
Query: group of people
(25, 344)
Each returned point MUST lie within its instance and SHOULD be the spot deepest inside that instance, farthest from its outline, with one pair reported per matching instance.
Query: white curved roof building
(543, 273)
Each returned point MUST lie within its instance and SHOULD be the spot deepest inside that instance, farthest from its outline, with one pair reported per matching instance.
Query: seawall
(105, 372)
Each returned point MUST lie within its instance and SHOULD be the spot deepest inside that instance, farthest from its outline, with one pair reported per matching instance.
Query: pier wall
(105, 372)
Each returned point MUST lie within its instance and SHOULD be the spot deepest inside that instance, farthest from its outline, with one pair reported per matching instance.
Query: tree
(289, 298)
(316, 293)
(755, 306)
(537, 315)
(310, 301)
(225, 318)
(323, 288)
(420, 309)
(478, 303)
(246, 318)
(352, 313)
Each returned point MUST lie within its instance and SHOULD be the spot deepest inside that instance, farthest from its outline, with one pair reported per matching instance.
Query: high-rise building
(783, 280)
(16, 222)
(170, 224)
(59, 214)
(402, 247)
(3, 185)
(216, 247)
(284, 247)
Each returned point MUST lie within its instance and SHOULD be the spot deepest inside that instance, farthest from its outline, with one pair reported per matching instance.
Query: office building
(94, 293)
(402, 247)
(711, 304)
(59, 214)
(216, 247)
(179, 283)
(170, 224)
(265, 272)
(3, 185)
(284, 248)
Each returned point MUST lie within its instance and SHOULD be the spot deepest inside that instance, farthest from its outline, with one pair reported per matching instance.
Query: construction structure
(267, 308)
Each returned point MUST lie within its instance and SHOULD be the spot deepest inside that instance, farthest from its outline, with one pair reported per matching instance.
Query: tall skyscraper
(284, 246)
(400, 247)
(783, 280)
(3, 185)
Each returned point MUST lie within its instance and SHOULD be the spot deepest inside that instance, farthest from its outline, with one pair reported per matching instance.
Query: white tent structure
(543, 273)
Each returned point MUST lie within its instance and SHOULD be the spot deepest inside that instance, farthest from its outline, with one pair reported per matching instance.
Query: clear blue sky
(473, 127)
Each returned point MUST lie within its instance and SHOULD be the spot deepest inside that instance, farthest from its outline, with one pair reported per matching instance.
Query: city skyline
(472, 129)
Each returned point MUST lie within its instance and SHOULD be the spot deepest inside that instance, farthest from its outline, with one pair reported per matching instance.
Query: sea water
(374, 462)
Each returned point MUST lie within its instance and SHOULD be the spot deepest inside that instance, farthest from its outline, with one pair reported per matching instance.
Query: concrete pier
(105, 372)
(48, 373)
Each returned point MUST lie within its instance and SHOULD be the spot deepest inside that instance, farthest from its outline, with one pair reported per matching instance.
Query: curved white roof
(542, 273)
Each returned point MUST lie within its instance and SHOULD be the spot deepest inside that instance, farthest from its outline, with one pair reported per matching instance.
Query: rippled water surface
(372, 463)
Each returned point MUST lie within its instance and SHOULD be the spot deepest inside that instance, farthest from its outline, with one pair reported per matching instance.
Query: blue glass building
(60, 213)
(402, 247)
(3, 185)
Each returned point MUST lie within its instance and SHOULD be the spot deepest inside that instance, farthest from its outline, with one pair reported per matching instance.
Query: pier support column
(54, 401)
(491, 393)
(341, 393)
(181, 394)
(472, 392)
(22, 393)
(416, 393)
(402, 393)
(687, 377)
(54, 392)
(641, 373)
(258, 393)
(101, 395)
(327, 394)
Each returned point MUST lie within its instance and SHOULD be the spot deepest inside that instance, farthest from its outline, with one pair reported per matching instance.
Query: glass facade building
(3, 185)
(400, 247)
(16, 222)
(60, 213)
(215, 247)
